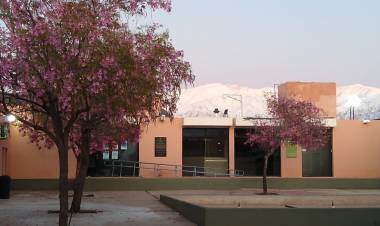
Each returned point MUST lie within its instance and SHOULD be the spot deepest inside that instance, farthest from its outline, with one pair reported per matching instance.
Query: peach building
(215, 146)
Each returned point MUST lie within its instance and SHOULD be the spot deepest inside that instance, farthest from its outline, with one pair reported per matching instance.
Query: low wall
(195, 213)
(201, 183)
(205, 216)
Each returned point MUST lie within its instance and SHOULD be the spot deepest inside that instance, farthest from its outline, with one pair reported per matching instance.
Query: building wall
(3, 159)
(356, 152)
(356, 149)
(26, 161)
(291, 167)
(231, 148)
(356, 146)
(172, 130)
(322, 95)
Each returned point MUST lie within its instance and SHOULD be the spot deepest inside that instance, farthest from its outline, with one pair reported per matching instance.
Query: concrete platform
(288, 208)
(322, 198)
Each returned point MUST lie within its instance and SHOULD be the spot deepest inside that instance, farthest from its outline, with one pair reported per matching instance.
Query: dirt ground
(132, 208)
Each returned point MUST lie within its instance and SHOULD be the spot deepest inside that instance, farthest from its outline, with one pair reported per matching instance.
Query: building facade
(215, 146)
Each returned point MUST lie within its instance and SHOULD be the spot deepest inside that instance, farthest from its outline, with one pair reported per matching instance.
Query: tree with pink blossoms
(291, 121)
(118, 113)
(67, 65)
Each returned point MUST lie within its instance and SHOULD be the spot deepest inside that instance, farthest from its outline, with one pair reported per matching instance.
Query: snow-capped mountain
(366, 98)
(202, 100)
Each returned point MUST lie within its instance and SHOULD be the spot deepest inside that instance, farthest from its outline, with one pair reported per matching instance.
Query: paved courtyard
(135, 208)
(132, 208)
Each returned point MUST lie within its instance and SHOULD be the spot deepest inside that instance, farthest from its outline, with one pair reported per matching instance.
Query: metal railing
(118, 166)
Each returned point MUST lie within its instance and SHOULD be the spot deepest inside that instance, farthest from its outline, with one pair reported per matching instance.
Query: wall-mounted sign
(106, 155)
(124, 146)
(291, 151)
(115, 155)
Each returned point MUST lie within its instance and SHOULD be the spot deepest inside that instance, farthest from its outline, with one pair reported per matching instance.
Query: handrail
(157, 167)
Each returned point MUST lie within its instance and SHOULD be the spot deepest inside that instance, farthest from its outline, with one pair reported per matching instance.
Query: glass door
(206, 148)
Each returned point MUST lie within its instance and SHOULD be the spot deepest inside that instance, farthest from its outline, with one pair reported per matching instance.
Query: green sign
(291, 151)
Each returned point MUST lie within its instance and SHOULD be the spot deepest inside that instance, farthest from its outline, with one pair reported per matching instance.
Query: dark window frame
(160, 151)
(3, 131)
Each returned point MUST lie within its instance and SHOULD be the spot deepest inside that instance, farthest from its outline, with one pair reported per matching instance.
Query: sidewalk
(132, 208)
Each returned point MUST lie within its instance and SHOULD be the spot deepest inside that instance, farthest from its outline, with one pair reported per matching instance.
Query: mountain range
(202, 101)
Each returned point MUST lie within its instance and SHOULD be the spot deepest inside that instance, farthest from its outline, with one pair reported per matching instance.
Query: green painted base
(200, 183)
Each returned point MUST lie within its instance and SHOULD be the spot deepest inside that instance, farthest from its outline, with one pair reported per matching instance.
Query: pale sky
(258, 43)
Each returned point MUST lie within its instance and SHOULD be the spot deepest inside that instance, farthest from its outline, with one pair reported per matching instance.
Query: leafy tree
(118, 113)
(67, 66)
(291, 121)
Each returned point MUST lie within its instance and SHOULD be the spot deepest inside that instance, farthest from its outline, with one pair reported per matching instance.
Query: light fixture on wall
(10, 118)
(366, 121)
(163, 114)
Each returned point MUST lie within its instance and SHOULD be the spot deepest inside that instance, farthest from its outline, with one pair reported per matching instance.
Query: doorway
(318, 162)
(205, 148)
(250, 159)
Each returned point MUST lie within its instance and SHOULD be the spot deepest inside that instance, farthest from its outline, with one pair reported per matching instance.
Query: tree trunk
(80, 179)
(63, 185)
(81, 172)
(265, 185)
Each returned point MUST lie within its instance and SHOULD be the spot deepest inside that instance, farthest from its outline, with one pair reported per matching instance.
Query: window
(205, 143)
(3, 131)
(160, 147)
